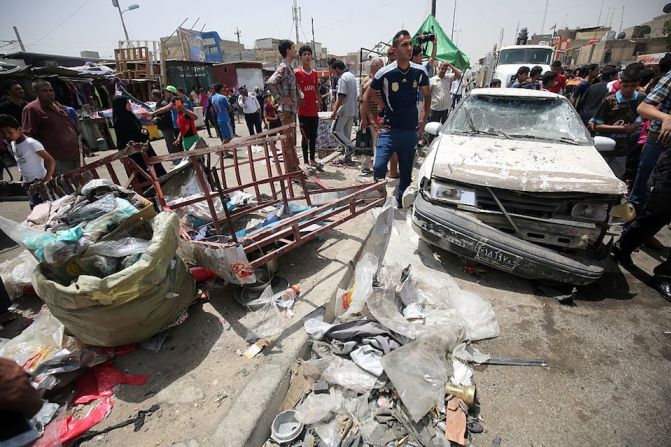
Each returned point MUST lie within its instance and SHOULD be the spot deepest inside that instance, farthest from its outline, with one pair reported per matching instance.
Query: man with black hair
(654, 211)
(345, 109)
(16, 99)
(521, 77)
(548, 80)
(333, 81)
(441, 92)
(47, 121)
(398, 83)
(417, 53)
(560, 79)
(656, 107)
(251, 109)
(495, 83)
(283, 86)
(308, 110)
(586, 75)
(222, 111)
(594, 95)
(618, 119)
(534, 81)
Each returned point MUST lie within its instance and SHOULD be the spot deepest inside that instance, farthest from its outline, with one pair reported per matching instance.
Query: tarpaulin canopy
(447, 50)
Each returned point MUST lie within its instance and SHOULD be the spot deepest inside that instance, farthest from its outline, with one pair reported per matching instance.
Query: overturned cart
(239, 207)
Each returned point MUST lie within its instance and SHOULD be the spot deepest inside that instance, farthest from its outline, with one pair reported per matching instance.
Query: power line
(60, 24)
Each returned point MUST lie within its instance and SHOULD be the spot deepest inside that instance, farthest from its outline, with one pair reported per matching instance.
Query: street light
(115, 3)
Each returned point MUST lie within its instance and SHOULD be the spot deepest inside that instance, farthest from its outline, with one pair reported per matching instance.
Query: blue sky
(68, 26)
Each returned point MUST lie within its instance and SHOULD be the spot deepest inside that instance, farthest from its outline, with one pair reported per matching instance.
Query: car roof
(514, 92)
(512, 47)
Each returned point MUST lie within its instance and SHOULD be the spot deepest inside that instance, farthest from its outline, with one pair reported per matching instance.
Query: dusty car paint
(524, 165)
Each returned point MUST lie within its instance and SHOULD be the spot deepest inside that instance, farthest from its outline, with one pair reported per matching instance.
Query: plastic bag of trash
(17, 272)
(39, 342)
(98, 265)
(419, 371)
(37, 241)
(108, 222)
(347, 374)
(230, 263)
(118, 249)
(91, 211)
(131, 305)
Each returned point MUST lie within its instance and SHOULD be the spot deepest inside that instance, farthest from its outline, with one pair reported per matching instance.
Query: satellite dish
(667, 8)
(622, 34)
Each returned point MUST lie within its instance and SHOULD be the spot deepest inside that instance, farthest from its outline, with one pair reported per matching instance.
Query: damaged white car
(515, 181)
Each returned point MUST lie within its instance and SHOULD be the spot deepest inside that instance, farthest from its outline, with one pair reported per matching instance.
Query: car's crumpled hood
(524, 165)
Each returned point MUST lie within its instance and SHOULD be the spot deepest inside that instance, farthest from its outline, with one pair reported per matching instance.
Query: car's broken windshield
(549, 119)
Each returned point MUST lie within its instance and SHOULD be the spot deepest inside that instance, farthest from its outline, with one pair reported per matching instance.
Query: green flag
(447, 50)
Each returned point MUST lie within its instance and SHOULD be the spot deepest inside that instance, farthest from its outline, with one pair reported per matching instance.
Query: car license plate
(497, 258)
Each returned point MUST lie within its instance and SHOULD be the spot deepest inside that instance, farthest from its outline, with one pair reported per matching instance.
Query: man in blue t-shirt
(398, 83)
(222, 109)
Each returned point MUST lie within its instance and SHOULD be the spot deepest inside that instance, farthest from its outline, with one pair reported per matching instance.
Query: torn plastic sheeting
(120, 248)
(267, 322)
(347, 374)
(419, 371)
(382, 305)
(328, 433)
(439, 289)
(317, 407)
(469, 353)
(63, 430)
(39, 342)
(362, 287)
(462, 374)
(100, 381)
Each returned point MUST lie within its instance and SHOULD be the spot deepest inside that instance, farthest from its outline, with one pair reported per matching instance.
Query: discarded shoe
(663, 286)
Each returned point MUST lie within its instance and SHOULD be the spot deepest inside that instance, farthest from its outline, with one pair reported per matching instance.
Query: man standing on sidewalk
(222, 110)
(283, 86)
(375, 105)
(308, 117)
(251, 109)
(48, 122)
(441, 96)
(399, 83)
(345, 108)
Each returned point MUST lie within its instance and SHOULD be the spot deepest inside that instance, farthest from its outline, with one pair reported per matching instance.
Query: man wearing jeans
(345, 108)
(399, 83)
(251, 109)
(283, 86)
(657, 107)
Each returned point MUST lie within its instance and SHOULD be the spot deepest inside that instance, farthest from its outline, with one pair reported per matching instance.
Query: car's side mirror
(604, 144)
(432, 128)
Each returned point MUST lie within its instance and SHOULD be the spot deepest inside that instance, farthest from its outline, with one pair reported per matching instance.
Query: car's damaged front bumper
(460, 233)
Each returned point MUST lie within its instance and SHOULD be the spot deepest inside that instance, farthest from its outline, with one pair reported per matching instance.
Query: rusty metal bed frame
(252, 164)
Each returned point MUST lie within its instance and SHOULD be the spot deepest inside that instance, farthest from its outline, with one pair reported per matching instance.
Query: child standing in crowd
(30, 156)
(186, 123)
(270, 114)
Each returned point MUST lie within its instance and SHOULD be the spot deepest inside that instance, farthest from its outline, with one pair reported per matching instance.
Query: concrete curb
(247, 422)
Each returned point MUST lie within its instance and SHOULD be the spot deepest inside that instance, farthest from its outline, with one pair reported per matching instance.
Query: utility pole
(18, 37)
(517, 31)
(501, 39)
(454, 15)
(296, 13)
(545, 14)
(598, 22)
(622, 18)
(433, 8)
(237, 33)
(314, 49)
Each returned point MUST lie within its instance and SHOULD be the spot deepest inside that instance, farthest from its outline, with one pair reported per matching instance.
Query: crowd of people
(393, 103)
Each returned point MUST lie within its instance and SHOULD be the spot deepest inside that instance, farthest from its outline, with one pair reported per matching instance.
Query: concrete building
(266, 51)
(656, 26)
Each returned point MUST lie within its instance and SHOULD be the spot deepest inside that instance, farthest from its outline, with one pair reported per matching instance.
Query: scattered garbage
(286, 427)
(393, 368)
(17, 272)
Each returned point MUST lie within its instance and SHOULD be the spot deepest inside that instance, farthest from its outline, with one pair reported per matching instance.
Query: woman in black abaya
(128, 128)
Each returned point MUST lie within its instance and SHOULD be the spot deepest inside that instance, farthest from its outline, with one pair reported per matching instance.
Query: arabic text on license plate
(497, 258)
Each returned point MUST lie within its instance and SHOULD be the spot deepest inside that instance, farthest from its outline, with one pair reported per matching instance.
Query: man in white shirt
(346, 107)
(441, 96)
(457, 90)
(252, 109)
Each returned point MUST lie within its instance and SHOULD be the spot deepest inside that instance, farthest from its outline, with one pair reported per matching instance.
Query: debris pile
(393, 368)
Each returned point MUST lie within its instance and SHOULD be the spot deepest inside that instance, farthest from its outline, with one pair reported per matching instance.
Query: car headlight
(445, 192)
(597, 212)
